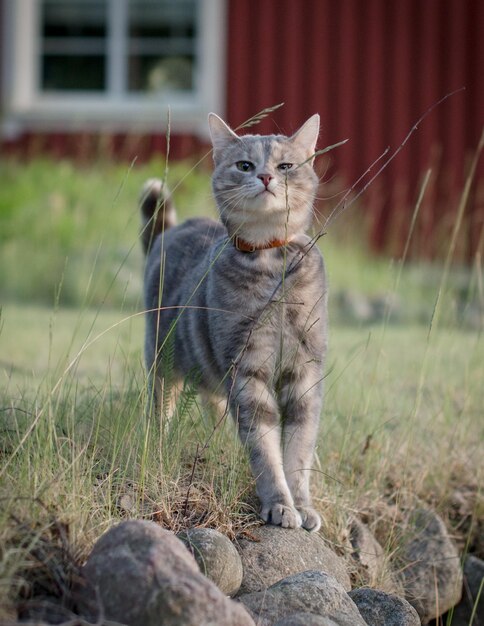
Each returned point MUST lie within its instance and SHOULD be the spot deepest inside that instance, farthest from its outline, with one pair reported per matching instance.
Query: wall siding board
(266, 74)
(1, 54)
(371, 69)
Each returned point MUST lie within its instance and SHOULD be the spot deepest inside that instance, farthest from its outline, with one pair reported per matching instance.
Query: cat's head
(264, 185)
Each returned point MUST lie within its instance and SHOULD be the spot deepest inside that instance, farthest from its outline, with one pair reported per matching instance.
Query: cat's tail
(157, 211)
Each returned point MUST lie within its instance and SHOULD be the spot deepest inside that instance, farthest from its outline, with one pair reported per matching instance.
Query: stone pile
(141, 575)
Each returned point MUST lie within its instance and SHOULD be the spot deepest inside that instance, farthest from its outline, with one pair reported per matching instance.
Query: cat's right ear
(222, 135)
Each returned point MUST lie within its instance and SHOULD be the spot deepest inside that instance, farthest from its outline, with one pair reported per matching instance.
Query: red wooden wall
(371, 68)
(89, 145)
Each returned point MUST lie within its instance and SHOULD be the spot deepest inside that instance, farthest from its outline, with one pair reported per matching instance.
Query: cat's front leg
(298, 458)
(255, 410)
(301, 405)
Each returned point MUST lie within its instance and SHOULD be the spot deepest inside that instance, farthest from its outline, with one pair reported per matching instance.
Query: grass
(402, 422)
(76, 227)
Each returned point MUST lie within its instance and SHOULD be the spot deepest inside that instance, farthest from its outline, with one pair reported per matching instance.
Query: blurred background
(87, 82)
(88, 91)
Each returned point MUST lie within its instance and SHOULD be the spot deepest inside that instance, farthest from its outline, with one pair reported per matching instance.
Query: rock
(366, 549)
(369, 554)
(305, 619)
(311, 592)
(472, 591)
(127, 503)
(473, 577)
(354, 306)
(384, 306)
(471, 315)
(383, 609)
(431, 571)
(141, 575)
(279, 552)
(42, 610)
(216, 556)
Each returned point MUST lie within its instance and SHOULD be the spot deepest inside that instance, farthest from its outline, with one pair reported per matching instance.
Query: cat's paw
(281, 515)
(310, 519)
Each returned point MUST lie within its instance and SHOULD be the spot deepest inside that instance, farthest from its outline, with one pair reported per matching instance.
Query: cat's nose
(265, 178)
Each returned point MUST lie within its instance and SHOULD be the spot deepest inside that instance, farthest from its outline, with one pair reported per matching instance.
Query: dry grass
(401, 427)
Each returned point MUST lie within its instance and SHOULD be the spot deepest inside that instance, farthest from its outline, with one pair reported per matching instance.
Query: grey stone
(473, 576)
(431, 571)
(310, 592)
(305, 619)
(216, 556)
(366, 548)
(383, 609)
(473, 591)
(141, 575)
(41, 610)
(472, 316)
(369, 554)
(127, 503)
(279, 552)
(354, 306)
(384, 305)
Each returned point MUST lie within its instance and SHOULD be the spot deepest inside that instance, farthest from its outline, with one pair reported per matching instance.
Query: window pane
(73, 73)
(162, 18)
(156, 40)
(156, 74)
(161, 45)
(74, 18)
(73, 45)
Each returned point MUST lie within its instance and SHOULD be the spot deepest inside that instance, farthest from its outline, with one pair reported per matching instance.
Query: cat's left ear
(222, 135)
(307, 135)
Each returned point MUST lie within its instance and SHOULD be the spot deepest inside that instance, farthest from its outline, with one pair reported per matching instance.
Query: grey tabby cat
(244, 302)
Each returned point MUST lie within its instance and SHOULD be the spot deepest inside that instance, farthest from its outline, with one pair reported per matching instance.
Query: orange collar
(244, 246)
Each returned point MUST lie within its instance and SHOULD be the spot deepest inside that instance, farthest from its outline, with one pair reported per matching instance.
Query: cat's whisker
(234, 203)
(229, 193)
(232, 193)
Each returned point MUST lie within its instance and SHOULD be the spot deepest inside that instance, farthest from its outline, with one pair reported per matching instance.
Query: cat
(243, 302)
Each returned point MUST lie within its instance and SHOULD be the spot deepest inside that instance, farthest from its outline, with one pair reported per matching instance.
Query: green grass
(69, 234)
(402, 421)
(72, 230)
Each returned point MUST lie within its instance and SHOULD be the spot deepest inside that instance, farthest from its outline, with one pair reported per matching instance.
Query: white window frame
(25, 107)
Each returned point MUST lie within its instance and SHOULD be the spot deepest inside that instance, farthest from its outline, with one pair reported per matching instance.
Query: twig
(195, 462)
(258, 117)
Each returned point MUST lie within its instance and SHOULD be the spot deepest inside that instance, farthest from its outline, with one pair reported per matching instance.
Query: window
(161, 45)
(73, 45)
(105, 60)
(156, 41)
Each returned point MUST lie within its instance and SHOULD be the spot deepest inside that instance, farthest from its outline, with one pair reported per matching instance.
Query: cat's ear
(307, 135)
(222, 135)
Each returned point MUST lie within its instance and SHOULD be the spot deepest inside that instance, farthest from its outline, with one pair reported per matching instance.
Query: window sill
(92, 113)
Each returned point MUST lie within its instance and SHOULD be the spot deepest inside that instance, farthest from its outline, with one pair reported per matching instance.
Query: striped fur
(250, 327)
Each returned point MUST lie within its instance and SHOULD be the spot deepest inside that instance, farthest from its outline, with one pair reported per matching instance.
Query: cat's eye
(284, 167)
(244, 166)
